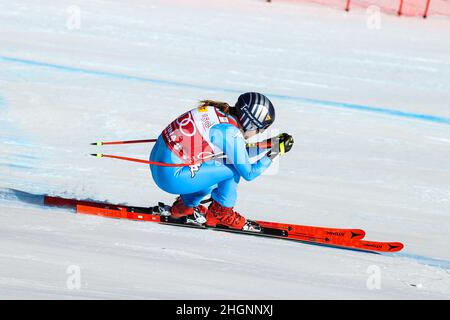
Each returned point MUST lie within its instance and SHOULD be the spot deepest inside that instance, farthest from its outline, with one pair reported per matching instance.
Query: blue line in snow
(433, 262)
(327, 103)
(18, 166)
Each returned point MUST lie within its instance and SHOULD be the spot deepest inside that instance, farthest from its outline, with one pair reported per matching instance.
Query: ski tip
(96, 143)
(395, 246)
(98, 155)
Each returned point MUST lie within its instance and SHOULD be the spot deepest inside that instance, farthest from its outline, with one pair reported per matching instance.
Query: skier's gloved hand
(281, 144)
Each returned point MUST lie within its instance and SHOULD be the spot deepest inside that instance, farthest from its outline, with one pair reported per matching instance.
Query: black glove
(280, 145)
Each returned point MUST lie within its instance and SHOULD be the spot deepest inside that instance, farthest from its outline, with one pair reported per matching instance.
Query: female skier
(196, 138)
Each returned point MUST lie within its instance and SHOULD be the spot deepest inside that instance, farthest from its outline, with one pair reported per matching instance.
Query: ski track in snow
(131, 68)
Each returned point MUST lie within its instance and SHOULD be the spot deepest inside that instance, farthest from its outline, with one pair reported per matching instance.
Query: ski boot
(224, 216)
(179, 209)
(195, 215)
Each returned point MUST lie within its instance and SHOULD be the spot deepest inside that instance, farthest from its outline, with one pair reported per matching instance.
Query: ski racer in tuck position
(197, 138)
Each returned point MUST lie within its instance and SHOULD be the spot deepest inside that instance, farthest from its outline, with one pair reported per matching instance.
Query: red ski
(302, 230)
(335, 237)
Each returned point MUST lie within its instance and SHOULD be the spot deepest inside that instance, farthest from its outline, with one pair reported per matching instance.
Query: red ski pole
(262, 145)
(156, 163)
(101, 143)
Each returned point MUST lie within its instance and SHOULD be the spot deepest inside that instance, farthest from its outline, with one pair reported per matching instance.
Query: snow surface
(369, 109)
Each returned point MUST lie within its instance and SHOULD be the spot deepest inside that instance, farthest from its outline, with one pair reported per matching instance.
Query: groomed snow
(369, 110)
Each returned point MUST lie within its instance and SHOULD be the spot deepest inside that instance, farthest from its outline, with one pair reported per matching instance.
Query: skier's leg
(226, 191)
(184, 180)
(221, 212)
(193, 187)
(194, 199)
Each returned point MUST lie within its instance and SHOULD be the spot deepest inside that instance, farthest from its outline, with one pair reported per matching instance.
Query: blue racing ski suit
(216, 177)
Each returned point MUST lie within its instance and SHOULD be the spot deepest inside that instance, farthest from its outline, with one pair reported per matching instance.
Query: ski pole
(156, 163)
(102, 143)
(262, 145)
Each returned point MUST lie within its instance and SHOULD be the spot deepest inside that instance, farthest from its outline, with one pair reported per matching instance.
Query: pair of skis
(333, 237)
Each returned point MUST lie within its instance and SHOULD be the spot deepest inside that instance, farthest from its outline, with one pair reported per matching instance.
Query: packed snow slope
(369, 110)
